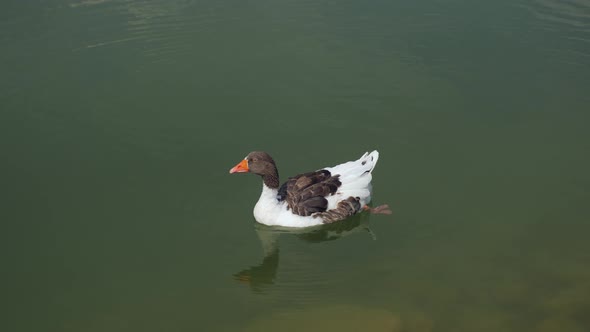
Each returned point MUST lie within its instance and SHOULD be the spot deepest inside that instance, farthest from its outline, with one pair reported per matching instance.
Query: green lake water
(119, 121)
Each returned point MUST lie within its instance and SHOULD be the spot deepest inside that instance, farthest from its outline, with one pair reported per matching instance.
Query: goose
(320, 197)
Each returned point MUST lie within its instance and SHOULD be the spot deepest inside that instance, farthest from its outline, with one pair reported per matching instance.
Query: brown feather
(344, 209)
(306, 193)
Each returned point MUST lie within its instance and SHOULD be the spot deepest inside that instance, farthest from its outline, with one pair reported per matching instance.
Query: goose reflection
(261, 276)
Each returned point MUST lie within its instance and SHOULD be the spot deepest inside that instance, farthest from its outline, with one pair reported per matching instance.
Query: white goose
(324, 196)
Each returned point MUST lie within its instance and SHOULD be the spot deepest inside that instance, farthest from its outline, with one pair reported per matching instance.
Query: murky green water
(120, 119)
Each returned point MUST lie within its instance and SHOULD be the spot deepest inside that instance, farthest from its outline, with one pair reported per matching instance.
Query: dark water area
(119, 121)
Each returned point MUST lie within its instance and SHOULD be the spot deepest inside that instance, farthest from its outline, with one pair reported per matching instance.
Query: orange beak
(242, 167)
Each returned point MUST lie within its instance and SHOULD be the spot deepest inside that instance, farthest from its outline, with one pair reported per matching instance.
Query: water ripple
(569, 21)
(573, 13)
(303, 268)
(160, 30)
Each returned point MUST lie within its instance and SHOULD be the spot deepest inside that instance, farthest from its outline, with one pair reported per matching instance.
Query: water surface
(120, 119)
